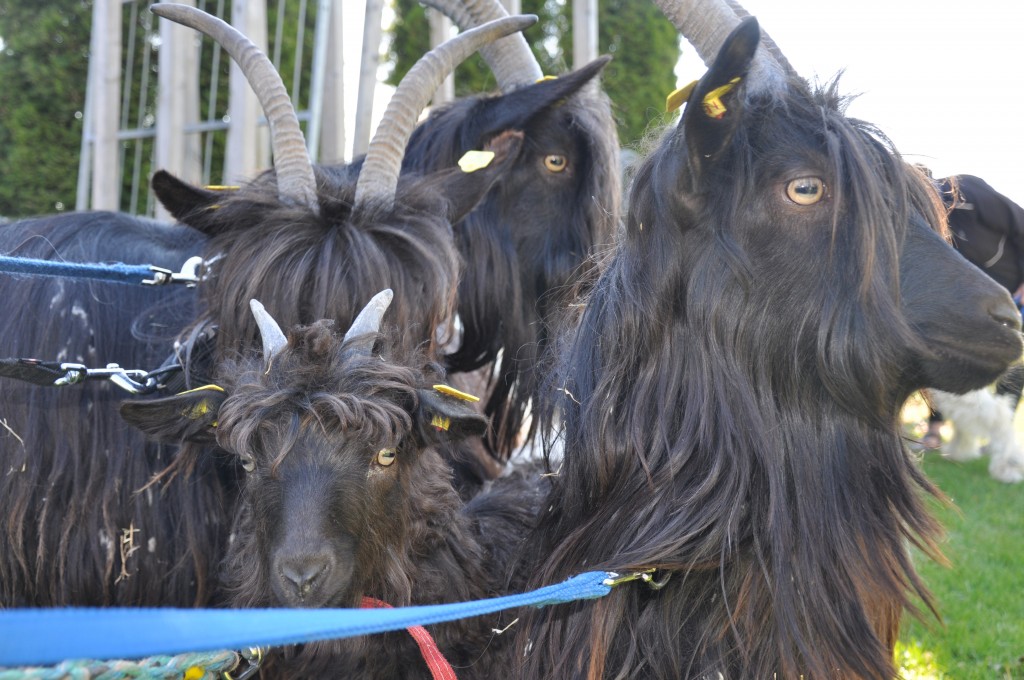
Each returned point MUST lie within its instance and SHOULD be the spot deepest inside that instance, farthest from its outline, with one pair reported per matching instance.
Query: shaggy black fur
(74, 482)
(71, 471)
(731, 397)
(322, 522)
(528, 242)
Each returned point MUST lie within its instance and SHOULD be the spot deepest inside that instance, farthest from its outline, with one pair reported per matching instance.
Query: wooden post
(440, 29)
(248, 146)
(105, 114)
(367, 75)
(177, 103)
(584, 32)
(332, 133)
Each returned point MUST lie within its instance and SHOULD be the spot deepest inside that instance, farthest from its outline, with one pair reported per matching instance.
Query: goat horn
(706, 23)
(295, 179)
(378, 178)
(510, 58)
(368, 320)
(273, 338)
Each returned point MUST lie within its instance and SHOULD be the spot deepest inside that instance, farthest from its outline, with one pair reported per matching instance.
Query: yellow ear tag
(452, 392)
(221, 187)
(713, 105)
(543, 78)
(472, 161)
(677, 98)
(203, 407)
(441, 422)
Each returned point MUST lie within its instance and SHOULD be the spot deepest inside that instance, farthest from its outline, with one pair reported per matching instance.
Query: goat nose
(1006, 312)
(301, 573)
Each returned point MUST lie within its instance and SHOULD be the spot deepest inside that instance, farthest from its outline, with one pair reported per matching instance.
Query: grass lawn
(981, 595)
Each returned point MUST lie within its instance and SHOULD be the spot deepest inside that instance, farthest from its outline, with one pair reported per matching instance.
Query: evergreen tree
(42, 95)
(645, 48)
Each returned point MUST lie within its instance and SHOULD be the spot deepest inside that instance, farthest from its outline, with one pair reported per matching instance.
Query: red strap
(440, 669)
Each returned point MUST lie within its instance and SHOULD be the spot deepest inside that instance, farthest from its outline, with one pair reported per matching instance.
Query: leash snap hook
(189, 274)
(645, 575)
(253, 656)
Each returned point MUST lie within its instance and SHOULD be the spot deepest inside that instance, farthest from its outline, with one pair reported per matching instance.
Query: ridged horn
(274, 339)
(706, 23)
(367, 322)
(296, 182)
(378, 178)
(510, 59)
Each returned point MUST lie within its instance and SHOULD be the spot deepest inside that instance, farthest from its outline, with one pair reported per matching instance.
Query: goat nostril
(302, 575)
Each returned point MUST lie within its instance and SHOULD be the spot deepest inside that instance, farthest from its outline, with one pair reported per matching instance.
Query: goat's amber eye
(385, 457)
(248, 462)
(556, 162)
(805, 190)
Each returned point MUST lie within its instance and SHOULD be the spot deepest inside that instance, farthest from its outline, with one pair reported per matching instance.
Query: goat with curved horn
(378, 178)
(706, 23)
(510, 58)
(295, 179)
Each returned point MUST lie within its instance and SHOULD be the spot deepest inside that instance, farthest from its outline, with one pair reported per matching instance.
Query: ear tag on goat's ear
(450, 391)
(543, 78)
(441, 422)
(677, 98)
(201, 408)
(713, 105)
(472, 161)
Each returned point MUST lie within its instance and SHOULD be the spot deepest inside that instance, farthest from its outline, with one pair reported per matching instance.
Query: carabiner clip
(646, 575)
(189, 274)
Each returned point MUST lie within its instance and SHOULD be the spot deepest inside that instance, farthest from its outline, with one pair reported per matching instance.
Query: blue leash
(48, 636)
(115, 272)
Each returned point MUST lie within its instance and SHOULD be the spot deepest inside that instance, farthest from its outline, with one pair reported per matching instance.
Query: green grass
(981, 595)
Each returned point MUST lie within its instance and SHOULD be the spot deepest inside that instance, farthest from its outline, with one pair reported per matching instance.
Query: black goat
(347, 497)
(731, 394)
(82, 522)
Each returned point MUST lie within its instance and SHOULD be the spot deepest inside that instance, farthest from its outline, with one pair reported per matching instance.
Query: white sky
(943, 79)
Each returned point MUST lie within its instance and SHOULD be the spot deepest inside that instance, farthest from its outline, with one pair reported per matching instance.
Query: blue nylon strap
(47, 636)
(116, 272)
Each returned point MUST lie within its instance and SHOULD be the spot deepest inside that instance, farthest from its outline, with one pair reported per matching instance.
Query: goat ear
(465, 188)
(514, 110)
(715, 106)
(450, 414)
(191, 205)
(188, 416)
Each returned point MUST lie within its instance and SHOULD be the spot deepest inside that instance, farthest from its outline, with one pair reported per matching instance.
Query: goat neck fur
(528, 242)
(323, 520)
(732, 392)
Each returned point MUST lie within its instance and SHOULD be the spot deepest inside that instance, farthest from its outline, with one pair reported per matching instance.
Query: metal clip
(131, 380)
(254, 657)
(646, 575)
(189, 274)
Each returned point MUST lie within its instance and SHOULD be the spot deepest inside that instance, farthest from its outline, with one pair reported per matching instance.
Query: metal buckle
(189, 274)
(646, 575)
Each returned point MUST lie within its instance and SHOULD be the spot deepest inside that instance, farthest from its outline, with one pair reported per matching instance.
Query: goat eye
(248, 462)
(555, 162)
(385, 457)
(805, 190)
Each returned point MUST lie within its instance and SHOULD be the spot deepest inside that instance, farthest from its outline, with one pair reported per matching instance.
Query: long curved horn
(510, 59)
(368, 320)
(706, 23)
(378, 178)
(274, 339)
(296, 182)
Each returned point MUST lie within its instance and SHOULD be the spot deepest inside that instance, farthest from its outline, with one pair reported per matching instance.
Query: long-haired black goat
(346, 495)
(527, 244)
(81, 522)
(730, 396)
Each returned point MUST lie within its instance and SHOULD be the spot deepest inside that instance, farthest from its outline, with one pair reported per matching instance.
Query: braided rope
(205, 666)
